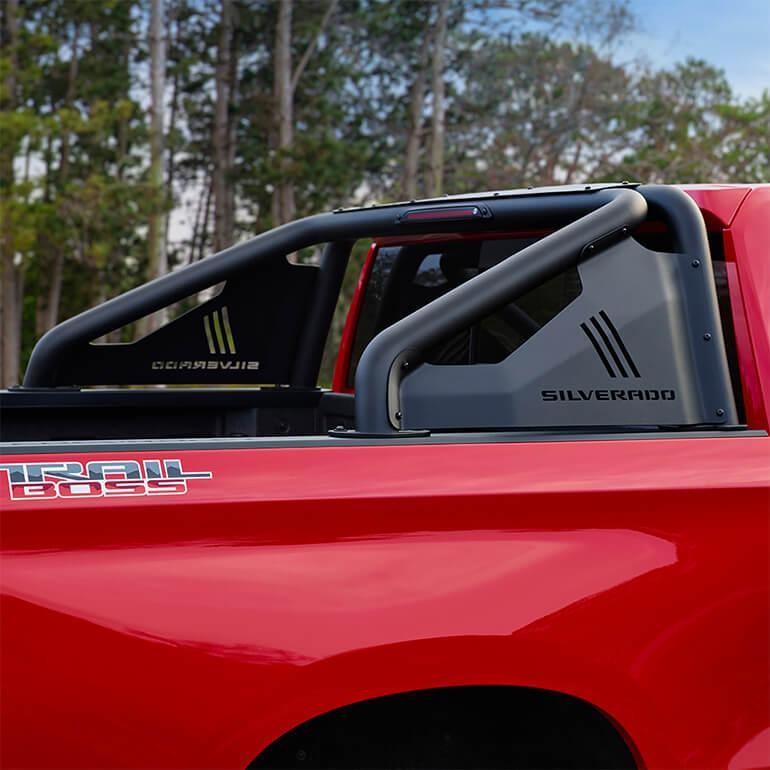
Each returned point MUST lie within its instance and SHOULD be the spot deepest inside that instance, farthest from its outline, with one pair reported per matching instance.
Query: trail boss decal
(98, 478)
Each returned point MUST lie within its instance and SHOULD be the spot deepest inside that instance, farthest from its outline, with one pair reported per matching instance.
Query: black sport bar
(399, 348)
(519, 209)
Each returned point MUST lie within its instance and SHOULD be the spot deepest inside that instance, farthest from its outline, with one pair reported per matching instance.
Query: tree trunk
(283, 195)
(231, 135)
(48, 301)
(172, 53)
(198, 221)
(122, 128)
(206, 217)
(156, 252)
(436, 180)
(284, 87)
(222, 236)
(10, 311)
(10, 275)
(48, 161)
(69, 99)
(414, 137)
(50, 283)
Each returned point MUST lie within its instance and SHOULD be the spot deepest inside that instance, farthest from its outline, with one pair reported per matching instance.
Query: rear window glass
(403, 278)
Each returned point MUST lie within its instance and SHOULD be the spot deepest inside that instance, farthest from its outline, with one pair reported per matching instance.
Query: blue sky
(731, 34)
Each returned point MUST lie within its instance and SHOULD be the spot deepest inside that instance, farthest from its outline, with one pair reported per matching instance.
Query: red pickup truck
(528, 526)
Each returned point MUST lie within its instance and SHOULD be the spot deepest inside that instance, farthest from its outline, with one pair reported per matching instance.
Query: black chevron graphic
(609, 346)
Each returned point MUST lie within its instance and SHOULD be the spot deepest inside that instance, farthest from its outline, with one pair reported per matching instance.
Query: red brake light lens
(455, 213)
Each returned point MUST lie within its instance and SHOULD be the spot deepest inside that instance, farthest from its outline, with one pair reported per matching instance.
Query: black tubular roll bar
(589, 219)
(489, 211)
(397, 349)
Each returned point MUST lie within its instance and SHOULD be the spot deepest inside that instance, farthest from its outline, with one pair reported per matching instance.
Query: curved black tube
(681, 214)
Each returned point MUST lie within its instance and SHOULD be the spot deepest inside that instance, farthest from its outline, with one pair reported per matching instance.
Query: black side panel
(246, 334)
(641, 345)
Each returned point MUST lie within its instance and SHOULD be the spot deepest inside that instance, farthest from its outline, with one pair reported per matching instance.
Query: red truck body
(193, 631)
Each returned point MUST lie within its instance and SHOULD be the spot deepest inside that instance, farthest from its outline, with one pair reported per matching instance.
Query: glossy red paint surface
(748, 246)
(718, 202)
(192, 631)
(342, 365)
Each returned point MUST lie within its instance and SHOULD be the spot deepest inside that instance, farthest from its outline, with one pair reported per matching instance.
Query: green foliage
(686, 125)
(533, 97)
(535, 111)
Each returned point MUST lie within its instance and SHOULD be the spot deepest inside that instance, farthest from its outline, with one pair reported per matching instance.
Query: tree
(273, 109)
(156, 231)
(285, 82)
(49, 290)
(78, 206)
(415, 128)
(283, 197)
(194, 33)
(686, 125)
(436, 177)
(10, 277)
(536, 112)
(223, 228)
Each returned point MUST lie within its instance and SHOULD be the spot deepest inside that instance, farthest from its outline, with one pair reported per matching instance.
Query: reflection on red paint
(322, 599)
(755, 755)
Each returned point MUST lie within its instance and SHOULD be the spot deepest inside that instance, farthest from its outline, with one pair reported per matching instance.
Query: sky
(731, 34)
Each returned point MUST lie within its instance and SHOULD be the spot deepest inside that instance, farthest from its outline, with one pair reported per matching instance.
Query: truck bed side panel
(192, 630)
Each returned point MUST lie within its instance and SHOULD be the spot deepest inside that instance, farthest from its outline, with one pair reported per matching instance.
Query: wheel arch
(448, 726)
